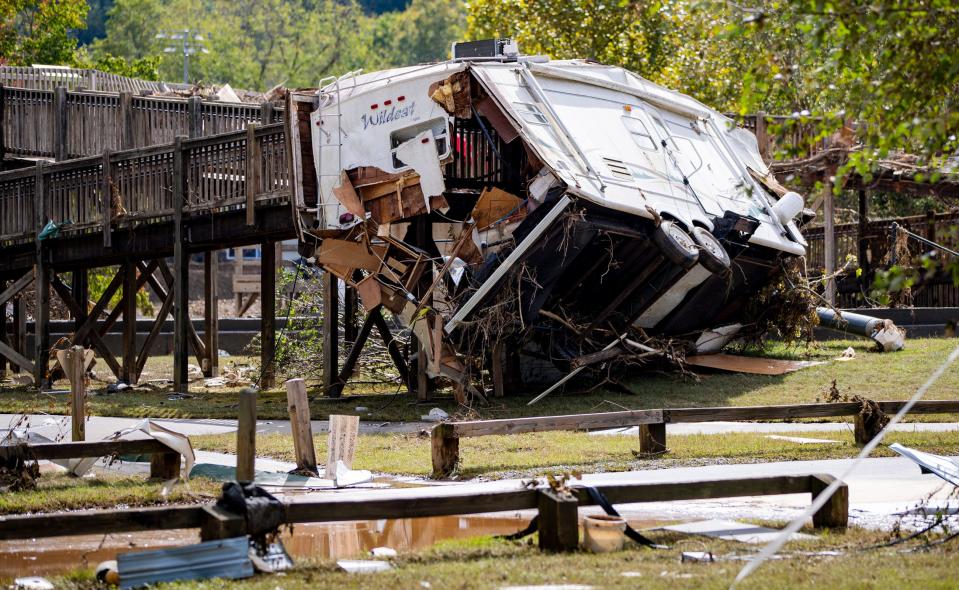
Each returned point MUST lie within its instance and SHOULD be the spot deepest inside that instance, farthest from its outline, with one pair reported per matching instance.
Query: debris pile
(528, 219)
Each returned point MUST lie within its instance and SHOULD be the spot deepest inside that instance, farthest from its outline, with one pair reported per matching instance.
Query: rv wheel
(675, 244)
(712, 255)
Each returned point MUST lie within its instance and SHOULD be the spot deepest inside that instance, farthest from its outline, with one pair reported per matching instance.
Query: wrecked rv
(501, 204)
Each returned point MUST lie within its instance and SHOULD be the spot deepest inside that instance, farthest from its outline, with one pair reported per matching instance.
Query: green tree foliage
(258, 44)
(38, 31)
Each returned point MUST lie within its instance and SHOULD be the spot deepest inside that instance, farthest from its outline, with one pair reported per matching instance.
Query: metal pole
(186, 60)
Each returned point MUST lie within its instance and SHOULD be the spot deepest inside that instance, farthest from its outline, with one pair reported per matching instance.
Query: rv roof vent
(618, 169)
(486, 49)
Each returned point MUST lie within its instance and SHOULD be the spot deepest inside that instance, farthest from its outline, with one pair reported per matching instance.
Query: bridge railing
(63, 124)
(133, 186)
(48, 78)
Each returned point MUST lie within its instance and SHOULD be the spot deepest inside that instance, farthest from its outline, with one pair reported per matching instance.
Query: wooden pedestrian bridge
(91, 179)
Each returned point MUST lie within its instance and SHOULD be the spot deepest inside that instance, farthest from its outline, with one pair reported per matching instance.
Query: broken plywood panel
(494, 204)
(748, 364)
(342, 440)
(346, 195)
(349, 254)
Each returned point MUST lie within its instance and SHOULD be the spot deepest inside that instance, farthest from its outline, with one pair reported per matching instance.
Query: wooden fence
(48, 78)
(652, 423)
(558, 513)
(137, 185)
(63, 124)
(871, 242)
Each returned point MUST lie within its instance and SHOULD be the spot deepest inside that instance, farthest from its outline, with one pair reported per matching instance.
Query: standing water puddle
(317, 541)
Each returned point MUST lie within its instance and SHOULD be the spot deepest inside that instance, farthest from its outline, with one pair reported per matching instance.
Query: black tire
(712, 255)
(675, 244)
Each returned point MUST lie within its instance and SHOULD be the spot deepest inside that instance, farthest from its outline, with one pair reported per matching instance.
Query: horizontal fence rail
(133, 185)
(62, 124)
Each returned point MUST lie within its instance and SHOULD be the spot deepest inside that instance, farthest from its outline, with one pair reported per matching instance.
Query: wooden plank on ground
(547, 423)
(76, 450)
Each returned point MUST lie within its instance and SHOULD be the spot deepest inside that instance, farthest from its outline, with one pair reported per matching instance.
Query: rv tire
(675, 244)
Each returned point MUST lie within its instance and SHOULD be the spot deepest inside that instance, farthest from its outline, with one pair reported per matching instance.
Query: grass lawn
(526, 455)
(485, 562)
(873, 375)
(56, 492)
(879, 376)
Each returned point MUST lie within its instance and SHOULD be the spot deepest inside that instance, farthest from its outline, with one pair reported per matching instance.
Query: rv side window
(441, 134)
(639, 133)
(530, 113)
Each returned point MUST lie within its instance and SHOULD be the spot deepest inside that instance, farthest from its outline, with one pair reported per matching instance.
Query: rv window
(639, 133)
(686, 148)
(440, 129)
(530, 113)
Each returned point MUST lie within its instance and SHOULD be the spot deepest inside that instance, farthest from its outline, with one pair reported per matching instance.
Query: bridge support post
(331, 337)
(181, 273)
(79, 286)
(3, 309)
(41, 323)
(19, 331)
(128, 373)
(268, 270)
(211, 317)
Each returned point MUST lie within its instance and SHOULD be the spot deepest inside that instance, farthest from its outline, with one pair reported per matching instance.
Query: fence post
(3, 124)
(762, 136)
(195, 114)
(126, 141)
(445, 450)
(165, 466)
(652, 439)
(829, 240)
(246, 436)
(252, 169)
(76, 372)
(60, 123)
(835, 512)
(558, 521)
(181, 280)
(862, 242)
(299, 408)
(106, 194)
(266, 113)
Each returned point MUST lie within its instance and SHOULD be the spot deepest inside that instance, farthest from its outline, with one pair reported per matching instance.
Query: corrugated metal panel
(229, 558)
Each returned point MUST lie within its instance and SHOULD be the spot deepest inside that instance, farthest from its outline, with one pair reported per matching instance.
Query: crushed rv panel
(545, 207)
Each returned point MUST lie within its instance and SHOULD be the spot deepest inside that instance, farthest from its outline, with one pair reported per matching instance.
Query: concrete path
(99, 427)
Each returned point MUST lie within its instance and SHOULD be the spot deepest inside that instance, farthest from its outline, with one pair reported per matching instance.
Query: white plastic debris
(697, 556)
(847, 355)
(383, 552)
(343, 476)
(364, 566)
(435, 415)
(890, 337)
(32, 583)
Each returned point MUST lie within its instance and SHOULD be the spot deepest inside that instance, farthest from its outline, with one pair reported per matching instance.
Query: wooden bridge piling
(268, 270)
(181, 265)
(211, 314)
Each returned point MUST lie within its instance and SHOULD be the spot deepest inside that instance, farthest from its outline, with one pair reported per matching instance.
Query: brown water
(317, 541)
